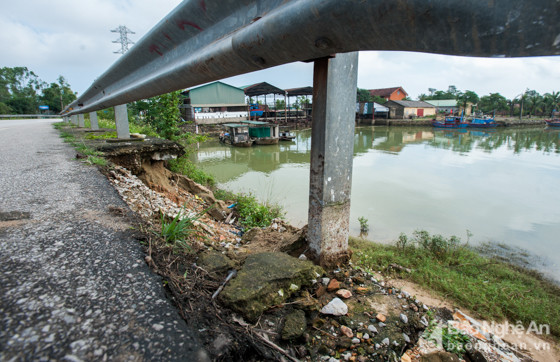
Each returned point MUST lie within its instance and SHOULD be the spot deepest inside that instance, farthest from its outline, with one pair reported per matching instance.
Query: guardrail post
(121, 119)
(93, 121)
(81, 121)
(332, 147)
(74, 119)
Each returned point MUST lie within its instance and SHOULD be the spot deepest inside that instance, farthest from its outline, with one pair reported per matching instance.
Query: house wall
(407, 112)
(397, 95)
(220, 117)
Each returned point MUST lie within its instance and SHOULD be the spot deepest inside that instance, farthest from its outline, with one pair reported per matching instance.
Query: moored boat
(482, 122)
(450, 122)
(555, 122)
(263, 133)
(236, 135)
(286, 136)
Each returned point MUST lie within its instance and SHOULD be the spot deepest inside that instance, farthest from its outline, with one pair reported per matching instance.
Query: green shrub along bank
(487, 286)
(186, 167)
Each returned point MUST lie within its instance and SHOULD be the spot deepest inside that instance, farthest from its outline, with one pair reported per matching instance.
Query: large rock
(266, 280)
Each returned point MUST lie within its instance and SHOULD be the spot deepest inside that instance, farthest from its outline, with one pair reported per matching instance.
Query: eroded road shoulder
(73, 283)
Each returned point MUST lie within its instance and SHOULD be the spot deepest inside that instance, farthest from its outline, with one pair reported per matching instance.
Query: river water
(501, 185)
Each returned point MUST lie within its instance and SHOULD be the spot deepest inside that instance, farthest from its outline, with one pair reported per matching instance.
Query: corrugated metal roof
(216, 94)
(411, 104)
(442, 102)
(260, 89)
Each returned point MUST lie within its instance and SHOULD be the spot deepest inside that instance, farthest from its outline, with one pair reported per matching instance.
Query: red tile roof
(385, 92)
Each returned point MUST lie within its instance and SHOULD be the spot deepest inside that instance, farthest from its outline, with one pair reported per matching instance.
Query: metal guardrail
(29, 116)
(205, 40)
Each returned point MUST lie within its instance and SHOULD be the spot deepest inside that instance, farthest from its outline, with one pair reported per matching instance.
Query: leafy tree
(363, 96)
(57, 95)
(280, 104)
(463, 99)
(551, 102)
(160, 112)
(534, 102)
(493, 102)
(21, 91)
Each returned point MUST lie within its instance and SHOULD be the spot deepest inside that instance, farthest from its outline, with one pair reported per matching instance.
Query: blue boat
(450, 122)
(484, 122)
(555, 122)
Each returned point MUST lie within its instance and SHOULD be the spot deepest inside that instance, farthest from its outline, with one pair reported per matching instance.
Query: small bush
(364, 227)
(186, 167)
(254, 214)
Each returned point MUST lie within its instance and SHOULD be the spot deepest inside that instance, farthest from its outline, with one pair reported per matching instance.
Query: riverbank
(191, 279)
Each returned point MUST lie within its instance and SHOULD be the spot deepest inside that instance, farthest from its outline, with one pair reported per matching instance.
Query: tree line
(529, 103)
(22, 92)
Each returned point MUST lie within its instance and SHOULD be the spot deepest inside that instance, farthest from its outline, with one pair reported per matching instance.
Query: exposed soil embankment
(253, 295)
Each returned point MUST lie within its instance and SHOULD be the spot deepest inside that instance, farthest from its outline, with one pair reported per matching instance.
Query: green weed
(186, 167)
(364, 227)
(254, 214)
(490, 288)
(177, 230)
(94, 160)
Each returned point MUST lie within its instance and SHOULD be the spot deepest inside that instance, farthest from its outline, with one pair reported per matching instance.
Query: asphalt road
(73, 282)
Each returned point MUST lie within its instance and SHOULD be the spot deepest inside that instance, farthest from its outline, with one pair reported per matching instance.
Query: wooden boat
(236, 135)
(450, 122)
(286, 136)
(483, 122)
(263, 133)
(555, 122)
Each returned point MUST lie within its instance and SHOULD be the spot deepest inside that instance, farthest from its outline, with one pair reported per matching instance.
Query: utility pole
(123, 40)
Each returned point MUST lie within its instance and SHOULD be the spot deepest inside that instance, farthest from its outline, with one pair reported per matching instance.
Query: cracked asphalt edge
(73, 281)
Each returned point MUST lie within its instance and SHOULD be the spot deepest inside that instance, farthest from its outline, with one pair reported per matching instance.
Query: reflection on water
(499, 184)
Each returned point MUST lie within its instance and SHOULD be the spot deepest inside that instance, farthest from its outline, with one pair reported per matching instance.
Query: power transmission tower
(124, 41)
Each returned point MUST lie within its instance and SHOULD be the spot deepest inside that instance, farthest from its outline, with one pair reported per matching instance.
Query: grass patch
(95, 160)
(177, 230)
(489, 287)
(101, 136)
(186, 167)
(255, 214)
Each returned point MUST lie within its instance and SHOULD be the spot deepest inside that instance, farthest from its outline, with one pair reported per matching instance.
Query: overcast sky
(73, 39)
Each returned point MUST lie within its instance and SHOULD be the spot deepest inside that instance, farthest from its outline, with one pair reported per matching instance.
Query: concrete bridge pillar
(93, 121)
(121, 119)
(332, 146)
(74, 119)
(81, 121)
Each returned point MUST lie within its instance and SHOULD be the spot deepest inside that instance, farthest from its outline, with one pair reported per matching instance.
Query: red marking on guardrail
(155, 49)
(181, 24)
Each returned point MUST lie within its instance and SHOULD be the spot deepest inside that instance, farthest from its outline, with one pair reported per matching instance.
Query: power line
(124, 41)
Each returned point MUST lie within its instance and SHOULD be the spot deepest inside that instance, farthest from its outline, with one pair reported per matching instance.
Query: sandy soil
(539, 348)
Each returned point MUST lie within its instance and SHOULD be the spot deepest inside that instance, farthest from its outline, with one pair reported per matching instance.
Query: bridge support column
(74, 119)
(65, 119)
(332, 146)
(121, 119)
(81, 120)
(93, 121)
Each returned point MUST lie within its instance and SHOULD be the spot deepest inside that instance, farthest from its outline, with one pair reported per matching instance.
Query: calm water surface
(501, 185)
